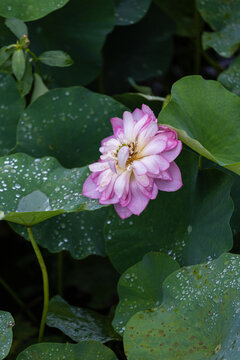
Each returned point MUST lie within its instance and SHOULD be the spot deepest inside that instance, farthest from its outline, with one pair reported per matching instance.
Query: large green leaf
(230, 78)
(28, 10)
(206, 116)
(128, 12)
(68, 124)
(80, 29)
(141, 51)
(11, 106)
(199, 317)
(191, 224)
(86, 350)
(79, 233)
(223, 17)
(34, 190)
(6, 324)
(140, 287)
(78, 323)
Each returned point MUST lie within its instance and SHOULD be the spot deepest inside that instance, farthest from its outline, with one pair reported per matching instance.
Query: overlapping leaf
(34, 190)
(68, 124)
(199, 317)
(78, 323)
(80, 29)
(11, 107)
(79, 233)
(223, 17)
(128, 12)
(6, 324)
(206, 116)
(87, 350)
(191, 224)
(230, 78)
(140, 287)
(28, 10)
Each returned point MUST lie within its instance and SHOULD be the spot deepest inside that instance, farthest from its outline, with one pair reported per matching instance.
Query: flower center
(133, 151)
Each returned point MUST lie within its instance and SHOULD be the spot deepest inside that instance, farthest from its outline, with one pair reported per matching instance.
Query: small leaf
(78, 323)
(25, 84)
(199, 317)
(56, 58)
(33, 190)
(17, 26)
(18, 64)
(6, 325)
(39, 88)
(85, 350)
(5, 53)
(140, 287)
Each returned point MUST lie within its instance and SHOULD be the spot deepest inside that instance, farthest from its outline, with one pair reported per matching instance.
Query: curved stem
(16, 298)
(45, 283)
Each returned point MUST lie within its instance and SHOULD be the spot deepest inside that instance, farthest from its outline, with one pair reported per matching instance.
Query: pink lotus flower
(136, 162)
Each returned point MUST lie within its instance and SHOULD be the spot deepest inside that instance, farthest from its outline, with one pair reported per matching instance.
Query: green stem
(45, 283)
(200, 164)
(36, 59)
(198, 27)
(60, 273)
(17, 299)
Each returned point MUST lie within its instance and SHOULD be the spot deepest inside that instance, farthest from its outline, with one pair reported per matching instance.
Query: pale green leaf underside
(199, 317)
(206, 117)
